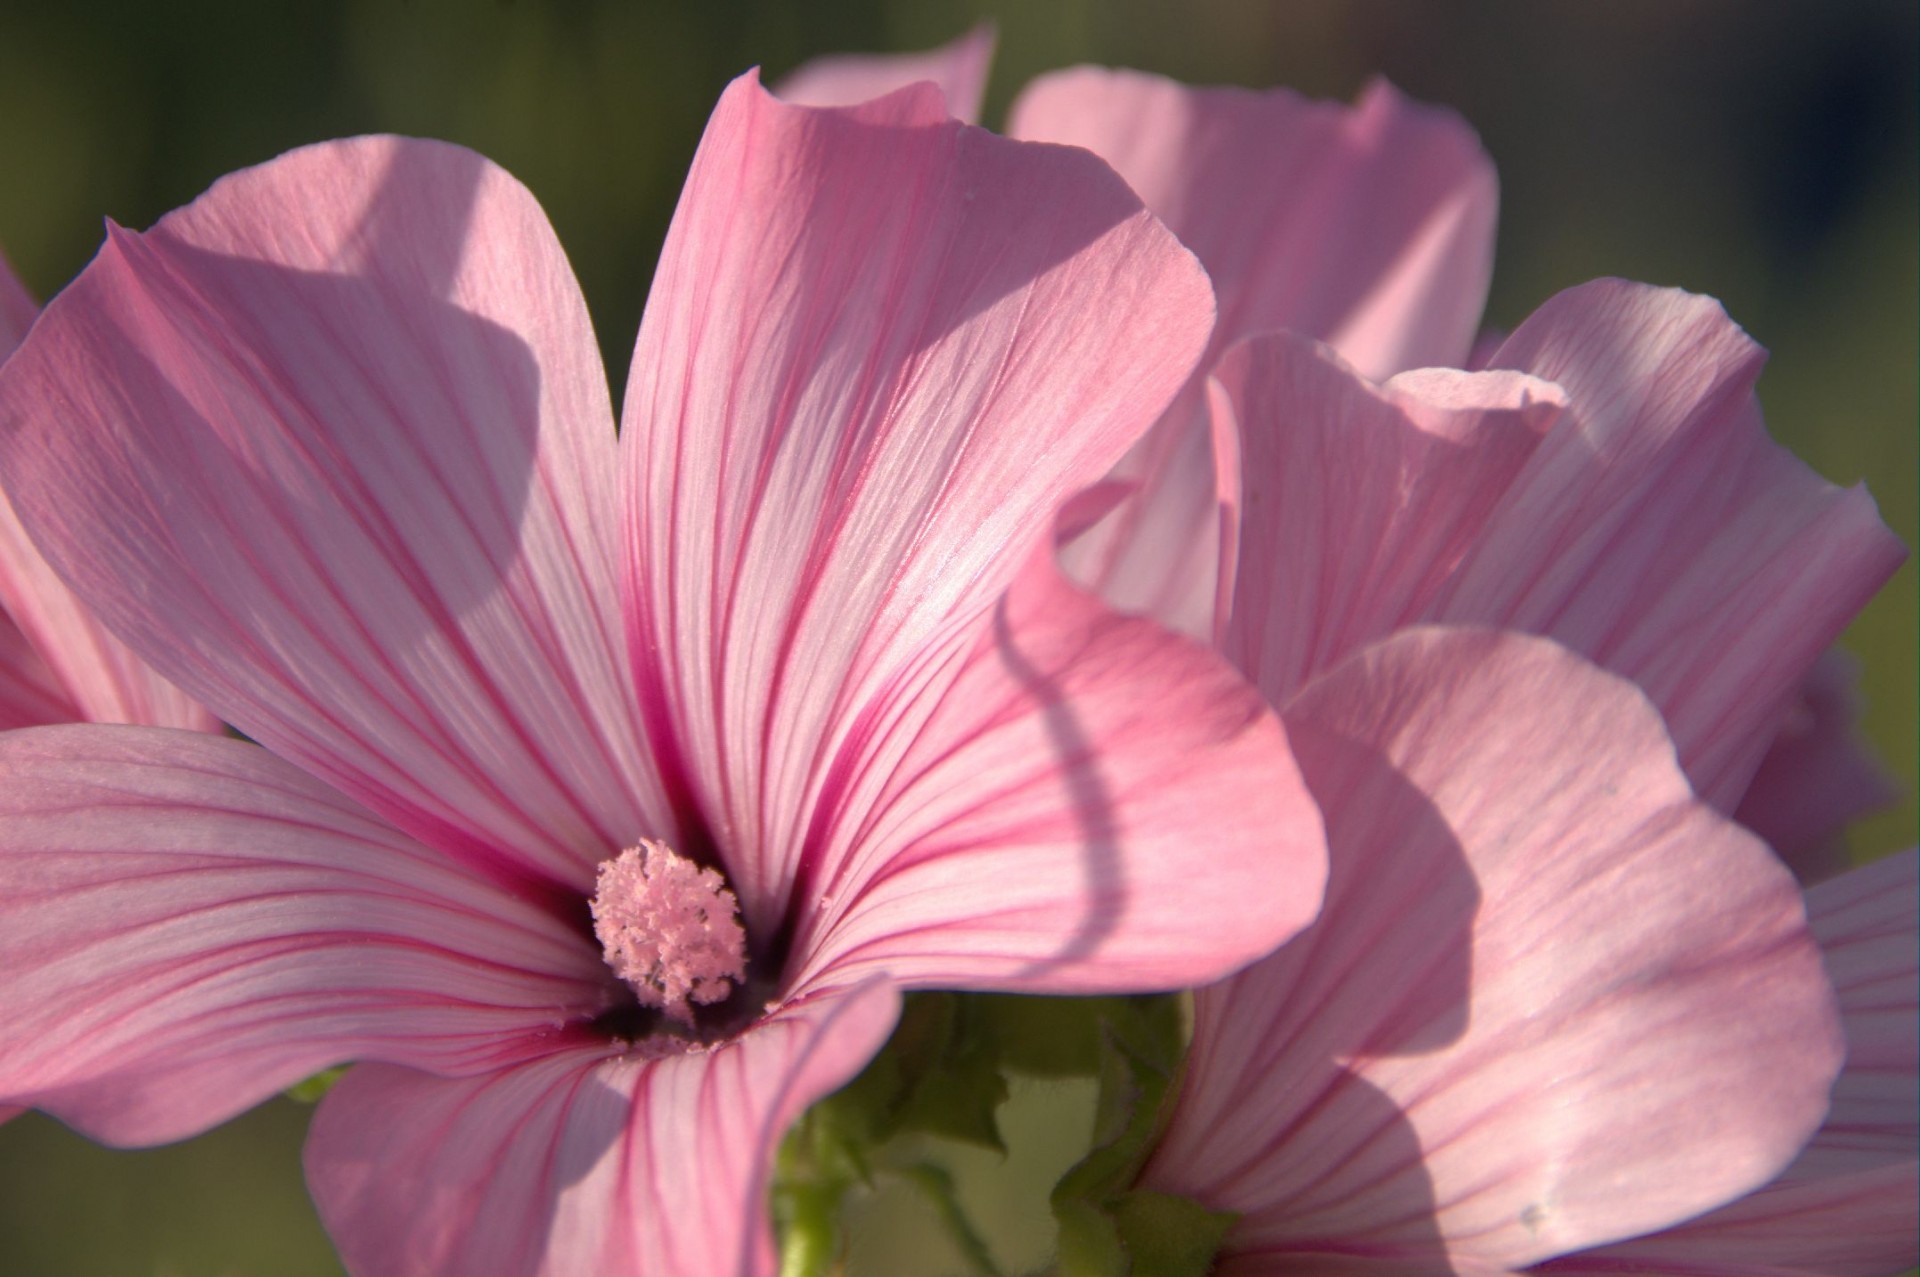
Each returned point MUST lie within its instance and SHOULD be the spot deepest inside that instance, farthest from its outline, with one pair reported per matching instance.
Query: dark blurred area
(1763, 152)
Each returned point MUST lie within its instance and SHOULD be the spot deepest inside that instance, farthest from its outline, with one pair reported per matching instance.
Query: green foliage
(1168, 1236)
(315, 1088)
(1107, 1227)
(807, 1217)
(936, 1184)
(944, 1074)
(1054, 1037)
(940, 1074)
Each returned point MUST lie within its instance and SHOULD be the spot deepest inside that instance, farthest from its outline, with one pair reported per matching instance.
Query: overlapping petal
(583, 1162)
(1819, 774)
(1045, 814)
(959, 69)
(1659, 445)
(1845, 1208)
(29, 693)
(331, 448)
(1551, 999)
(1670, 451)
(91, 675)
(850, 420)
(99, 678)
(189, 924)
(1369, 227)
(1359, 502)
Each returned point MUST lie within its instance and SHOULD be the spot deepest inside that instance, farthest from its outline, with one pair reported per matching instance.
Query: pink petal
(349, 415)
(1158, 554)
(958, 69)
(1653, 527)
(1846, 1207)
(584, 1162)
(1819, 775)
(1089, 808)
(1551, 999)
(1868, 922)
(882, 348)
(29, 693)
(98, 678)
(1370, 227)
(1360, 501)
(106, 682)
(1665, 447)
(189, 925)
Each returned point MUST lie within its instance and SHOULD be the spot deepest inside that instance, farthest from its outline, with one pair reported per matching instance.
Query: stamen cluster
(670, 928)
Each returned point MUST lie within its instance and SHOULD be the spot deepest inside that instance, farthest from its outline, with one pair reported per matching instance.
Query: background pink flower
(1608, 484)
(1552, 999)
(1371, 230)
(799, 624)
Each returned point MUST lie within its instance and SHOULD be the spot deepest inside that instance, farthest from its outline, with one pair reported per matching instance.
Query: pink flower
(57, 664)
(1354, 1094)
(1552, 1000)
(1609, 485)
(796, 628)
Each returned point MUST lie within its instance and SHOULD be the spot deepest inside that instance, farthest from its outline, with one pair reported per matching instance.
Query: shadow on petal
(1271, 1121)
(1092, 804)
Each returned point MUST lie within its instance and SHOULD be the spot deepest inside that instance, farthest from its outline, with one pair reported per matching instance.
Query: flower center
(669, 928)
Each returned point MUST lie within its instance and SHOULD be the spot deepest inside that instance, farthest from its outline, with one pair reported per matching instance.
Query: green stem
(937, 1184)
(809, 1234)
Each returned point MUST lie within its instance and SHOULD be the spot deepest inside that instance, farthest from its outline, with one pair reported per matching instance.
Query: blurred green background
(1762, 151)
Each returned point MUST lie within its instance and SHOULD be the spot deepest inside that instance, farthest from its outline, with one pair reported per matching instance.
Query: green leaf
(936, 1183)
(943, 1073)
(1061, 1037)
(1168, 1236)
(1107, 1227)
(959, 1094)
(1089, 1243)
(314, 1088)
(938, 1075)
(1047, 1037)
